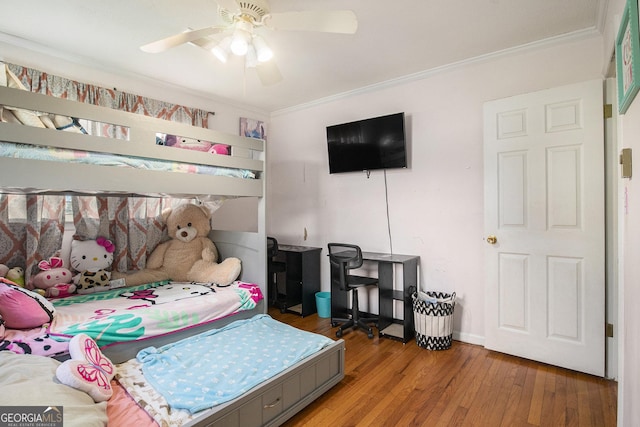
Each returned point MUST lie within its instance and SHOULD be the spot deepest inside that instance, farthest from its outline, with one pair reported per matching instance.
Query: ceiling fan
(242, 18)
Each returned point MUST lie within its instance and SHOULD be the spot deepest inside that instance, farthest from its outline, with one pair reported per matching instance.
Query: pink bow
(106, 243)
(53, 262)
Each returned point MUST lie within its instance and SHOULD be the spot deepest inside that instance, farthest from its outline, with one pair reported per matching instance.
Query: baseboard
(468, 338)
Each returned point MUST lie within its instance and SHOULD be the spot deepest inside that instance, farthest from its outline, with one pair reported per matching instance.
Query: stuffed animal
(3, 270)
(16, 275)
(187, 143)
(190, 256)
(88, 369)
(91, 258)
(219, 149)
(54, 281)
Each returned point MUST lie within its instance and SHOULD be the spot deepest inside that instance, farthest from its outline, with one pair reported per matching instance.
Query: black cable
(386, 198)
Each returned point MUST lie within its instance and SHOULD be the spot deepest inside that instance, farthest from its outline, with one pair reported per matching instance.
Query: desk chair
(273, 268)
(343, 258)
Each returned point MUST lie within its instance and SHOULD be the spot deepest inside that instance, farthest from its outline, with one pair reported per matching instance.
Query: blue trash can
(323, 304)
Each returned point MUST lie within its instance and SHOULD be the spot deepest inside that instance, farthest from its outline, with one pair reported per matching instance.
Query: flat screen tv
(363, 145)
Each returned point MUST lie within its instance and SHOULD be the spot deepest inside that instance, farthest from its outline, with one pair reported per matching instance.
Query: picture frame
(628, 56)
(252, 128)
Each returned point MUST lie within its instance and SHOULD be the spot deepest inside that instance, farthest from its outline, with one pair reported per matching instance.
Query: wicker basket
(433, 321)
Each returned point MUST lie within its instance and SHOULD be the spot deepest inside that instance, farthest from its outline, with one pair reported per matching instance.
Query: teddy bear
(54, 279)
(91, 258)
(189, 255)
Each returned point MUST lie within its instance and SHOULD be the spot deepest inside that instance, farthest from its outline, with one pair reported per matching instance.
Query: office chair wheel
(334, 324)
(339, 333)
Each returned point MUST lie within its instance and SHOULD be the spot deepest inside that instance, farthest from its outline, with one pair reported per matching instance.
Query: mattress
(140, 312)
(117, 317)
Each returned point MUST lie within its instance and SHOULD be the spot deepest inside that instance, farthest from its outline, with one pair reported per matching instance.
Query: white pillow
(29, 380)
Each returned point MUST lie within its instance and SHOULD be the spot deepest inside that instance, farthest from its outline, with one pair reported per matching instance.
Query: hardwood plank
(388, 383)
(535, 408)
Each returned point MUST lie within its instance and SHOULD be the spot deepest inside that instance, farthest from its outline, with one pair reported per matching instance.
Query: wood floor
(388, 383)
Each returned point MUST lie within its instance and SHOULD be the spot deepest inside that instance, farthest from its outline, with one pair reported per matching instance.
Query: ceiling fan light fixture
(241, 38)
(221, 50)
(263, 51)
(251, 59)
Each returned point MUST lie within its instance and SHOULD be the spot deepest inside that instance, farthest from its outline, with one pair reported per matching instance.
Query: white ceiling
(394, 39)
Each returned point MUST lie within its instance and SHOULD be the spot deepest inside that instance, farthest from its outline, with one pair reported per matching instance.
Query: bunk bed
(27, 166)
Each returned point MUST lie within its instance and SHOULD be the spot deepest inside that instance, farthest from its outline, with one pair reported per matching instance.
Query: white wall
(436, 205)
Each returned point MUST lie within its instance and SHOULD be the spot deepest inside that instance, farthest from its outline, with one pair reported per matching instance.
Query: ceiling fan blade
(268, 73)
(331, 21)
(206, 43)
(178, 39)
(230, 5)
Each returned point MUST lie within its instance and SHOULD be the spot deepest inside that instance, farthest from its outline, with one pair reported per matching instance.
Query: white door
(544, 203)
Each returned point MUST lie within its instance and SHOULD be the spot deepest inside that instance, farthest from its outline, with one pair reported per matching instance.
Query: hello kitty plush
(54, 279)
(91, 258)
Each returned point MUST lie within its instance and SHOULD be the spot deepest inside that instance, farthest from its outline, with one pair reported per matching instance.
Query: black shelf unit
(302, 279)
(389, 325)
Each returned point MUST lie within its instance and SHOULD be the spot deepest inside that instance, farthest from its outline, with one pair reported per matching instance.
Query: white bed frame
(279, 398)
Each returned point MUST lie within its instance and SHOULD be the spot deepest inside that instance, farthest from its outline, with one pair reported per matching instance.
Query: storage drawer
(271, 403)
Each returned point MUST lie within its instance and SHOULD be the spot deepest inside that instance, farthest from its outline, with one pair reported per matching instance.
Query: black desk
(302, 278)
(389, 326)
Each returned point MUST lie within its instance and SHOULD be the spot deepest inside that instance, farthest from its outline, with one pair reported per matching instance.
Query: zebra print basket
(433, 321)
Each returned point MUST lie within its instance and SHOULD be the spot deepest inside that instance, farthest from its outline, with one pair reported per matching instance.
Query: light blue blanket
(219, 365)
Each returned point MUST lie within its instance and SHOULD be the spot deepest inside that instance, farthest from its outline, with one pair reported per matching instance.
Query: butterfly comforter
(135, 313)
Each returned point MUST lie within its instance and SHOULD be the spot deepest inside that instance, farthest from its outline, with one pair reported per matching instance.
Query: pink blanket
(31, 341)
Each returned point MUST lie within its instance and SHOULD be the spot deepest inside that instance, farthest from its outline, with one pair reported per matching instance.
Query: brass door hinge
(626, 162)
(608, 111)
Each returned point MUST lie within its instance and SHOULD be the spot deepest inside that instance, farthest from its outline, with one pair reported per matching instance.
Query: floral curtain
(133, 224)
(33, 229)
(60, 87)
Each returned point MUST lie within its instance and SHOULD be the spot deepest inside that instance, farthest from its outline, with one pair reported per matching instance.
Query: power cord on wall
(386, 199)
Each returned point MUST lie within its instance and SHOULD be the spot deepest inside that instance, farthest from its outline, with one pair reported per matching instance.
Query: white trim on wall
(540, 44)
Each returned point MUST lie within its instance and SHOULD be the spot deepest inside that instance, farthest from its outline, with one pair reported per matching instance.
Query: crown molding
(131, 79)
(529, 47)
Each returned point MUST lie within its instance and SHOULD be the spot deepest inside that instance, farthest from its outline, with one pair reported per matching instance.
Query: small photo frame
(628, 56)
(253, 128)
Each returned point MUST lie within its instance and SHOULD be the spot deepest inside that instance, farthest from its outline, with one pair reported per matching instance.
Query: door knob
(492, 240)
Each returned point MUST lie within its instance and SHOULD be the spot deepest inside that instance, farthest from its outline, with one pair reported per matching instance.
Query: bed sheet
(131, 381)
(138, 312)
(35, 341)
(122, 410)
(36, 152)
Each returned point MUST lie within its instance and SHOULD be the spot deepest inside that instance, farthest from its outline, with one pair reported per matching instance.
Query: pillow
(88, 369)
(23, 309)
(31, 380)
